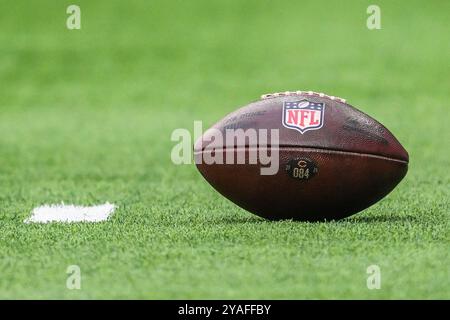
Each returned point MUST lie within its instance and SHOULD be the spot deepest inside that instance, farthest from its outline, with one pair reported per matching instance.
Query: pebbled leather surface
(344, 184)
(345, 128)
(358, 160)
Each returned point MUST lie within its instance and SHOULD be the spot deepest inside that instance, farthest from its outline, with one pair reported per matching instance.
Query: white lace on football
(307, 93)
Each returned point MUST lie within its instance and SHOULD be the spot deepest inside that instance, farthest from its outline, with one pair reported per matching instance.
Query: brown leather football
(333, 160)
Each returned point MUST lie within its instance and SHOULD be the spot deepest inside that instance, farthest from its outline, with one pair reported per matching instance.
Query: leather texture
(358, 162)
(345, 128)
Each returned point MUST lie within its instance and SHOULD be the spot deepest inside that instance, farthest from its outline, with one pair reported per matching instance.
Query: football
(301, 155)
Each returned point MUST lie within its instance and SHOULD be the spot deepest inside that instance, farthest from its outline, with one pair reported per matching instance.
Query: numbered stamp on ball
(301, 169)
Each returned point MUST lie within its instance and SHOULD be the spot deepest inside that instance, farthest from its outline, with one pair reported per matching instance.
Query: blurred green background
(86, 117)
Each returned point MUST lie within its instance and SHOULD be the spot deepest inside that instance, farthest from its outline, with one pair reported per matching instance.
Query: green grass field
(86, 117)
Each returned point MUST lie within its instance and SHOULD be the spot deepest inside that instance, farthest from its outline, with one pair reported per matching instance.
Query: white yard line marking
(70, 213)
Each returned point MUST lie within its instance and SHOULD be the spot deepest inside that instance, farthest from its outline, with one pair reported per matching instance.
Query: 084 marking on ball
(301, 169)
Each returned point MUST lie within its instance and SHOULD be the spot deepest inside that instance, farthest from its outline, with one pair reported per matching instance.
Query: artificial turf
(86, 117)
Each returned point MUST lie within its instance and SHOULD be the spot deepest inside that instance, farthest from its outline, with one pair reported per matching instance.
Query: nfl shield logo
(303, 115)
